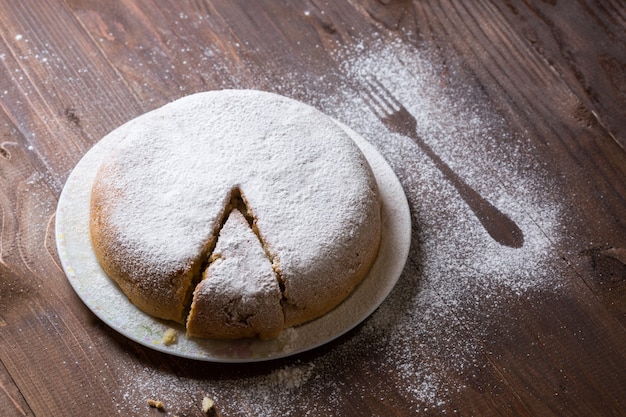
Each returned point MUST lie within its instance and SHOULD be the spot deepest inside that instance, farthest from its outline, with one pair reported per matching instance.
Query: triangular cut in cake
(239, 295)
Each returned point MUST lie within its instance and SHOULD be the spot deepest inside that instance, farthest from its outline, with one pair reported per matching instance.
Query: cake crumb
(169, 337)
(207, 405)
(155, 403)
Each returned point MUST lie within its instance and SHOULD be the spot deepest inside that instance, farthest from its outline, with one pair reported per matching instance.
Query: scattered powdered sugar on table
(426, 341)
(457, 269)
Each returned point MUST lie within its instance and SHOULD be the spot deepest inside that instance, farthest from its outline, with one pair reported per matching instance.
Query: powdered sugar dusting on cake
(164, 191)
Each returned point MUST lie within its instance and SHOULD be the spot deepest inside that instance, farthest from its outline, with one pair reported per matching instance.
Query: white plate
(106, 300)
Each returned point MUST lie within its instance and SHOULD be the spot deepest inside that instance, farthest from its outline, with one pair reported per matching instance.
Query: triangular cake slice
(239, 295)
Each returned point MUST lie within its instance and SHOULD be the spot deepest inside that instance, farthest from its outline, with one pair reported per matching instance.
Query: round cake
(237, 212)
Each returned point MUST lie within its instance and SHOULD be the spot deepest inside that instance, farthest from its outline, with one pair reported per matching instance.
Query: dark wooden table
(524, 100)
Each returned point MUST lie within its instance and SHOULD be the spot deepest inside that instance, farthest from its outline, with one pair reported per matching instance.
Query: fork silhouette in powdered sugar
(397, 119)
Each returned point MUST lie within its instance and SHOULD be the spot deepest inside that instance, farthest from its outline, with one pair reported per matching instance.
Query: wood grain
(551, 72)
